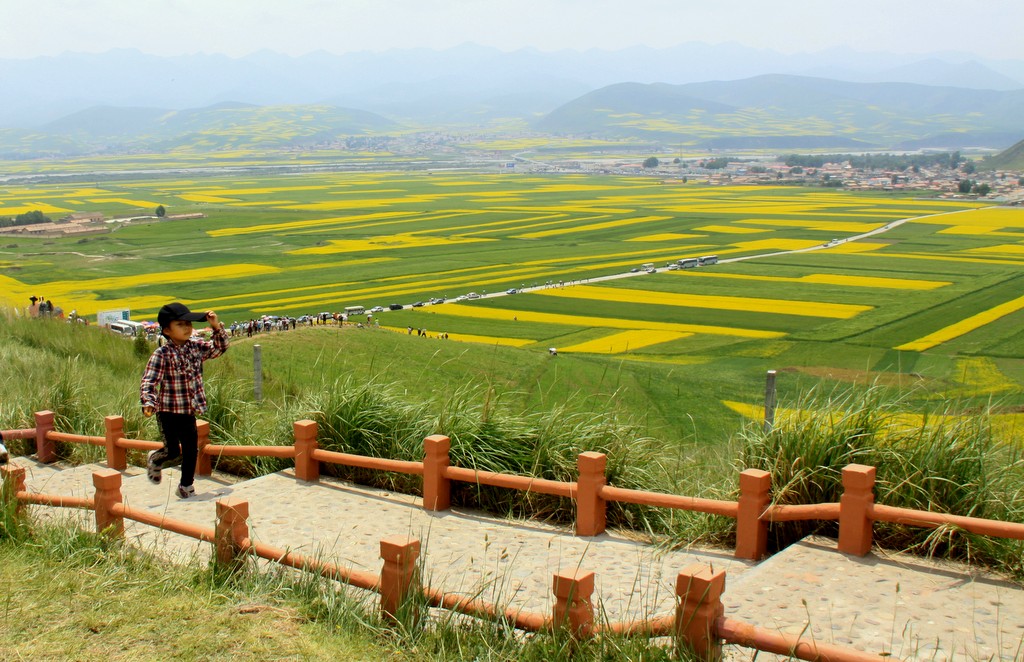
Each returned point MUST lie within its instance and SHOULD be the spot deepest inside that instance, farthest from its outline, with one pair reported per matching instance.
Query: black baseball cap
(177, 311)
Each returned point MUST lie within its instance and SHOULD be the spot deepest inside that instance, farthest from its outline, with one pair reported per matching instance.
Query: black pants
(181, 439)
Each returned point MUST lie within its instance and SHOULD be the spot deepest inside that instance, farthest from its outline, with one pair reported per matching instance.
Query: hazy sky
(989, 28)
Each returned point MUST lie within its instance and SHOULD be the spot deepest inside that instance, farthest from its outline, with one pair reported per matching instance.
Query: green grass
(73, 595)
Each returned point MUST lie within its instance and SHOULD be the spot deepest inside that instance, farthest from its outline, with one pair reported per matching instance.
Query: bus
(689, 262)
(707, 259)
(354, 310)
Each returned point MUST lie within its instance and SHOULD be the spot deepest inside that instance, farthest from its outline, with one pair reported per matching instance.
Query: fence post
(14, 482)
(437, 488)
(699, 589)
(46, 449)
(108, 493)
(769, 401)
(117, 457)
(855, 521)
(591, 509)
(573, 609)
(232, 528)
(257, 372)
(204, 463)
(751, 532)
(398, 575)
(306, 467)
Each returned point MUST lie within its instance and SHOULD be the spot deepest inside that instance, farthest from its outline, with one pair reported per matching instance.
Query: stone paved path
(890, 604)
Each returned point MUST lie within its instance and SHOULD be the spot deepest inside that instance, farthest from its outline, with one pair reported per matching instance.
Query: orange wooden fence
(698, 623)
(856, 513)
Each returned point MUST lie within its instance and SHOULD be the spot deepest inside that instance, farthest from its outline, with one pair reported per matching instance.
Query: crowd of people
(43, 307)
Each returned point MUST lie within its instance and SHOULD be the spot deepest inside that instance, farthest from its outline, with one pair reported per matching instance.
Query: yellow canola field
(199, 197)
(468, 337)
(622, 342)
(901, 423)
(385, 242)
(41, 206)
(748, 304)
(618, 223)
(964, 326)
(985, 219)
(302, 225)
(1001, 249)
(83, 295)
(479, 312)
(145, 204)
(668, 236)
(730, 229)
(981, 375)
(830, 279)
(823, 226)
(857, 247)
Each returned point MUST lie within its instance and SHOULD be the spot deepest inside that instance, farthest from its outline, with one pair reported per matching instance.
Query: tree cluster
(29, 218)
(899, 162)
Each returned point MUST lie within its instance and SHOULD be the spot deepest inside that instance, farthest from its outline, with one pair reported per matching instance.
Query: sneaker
(186, 491)
(153, 470)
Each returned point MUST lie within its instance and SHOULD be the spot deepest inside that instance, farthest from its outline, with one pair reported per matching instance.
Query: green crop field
(933, 301)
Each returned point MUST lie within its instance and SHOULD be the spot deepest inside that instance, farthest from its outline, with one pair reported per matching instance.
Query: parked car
(395, 306)
(511, 290)
(377, 309)
(472, 295)
(418, 304)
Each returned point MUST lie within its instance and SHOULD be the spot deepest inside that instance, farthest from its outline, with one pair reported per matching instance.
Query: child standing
(172, 387)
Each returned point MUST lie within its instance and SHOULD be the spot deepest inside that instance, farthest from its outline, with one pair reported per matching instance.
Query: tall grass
(951, 461)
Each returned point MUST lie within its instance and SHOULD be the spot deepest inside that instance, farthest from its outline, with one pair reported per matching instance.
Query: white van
(127, 328)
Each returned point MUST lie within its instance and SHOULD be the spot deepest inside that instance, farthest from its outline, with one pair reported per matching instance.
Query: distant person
(33, 309)
(172, 387)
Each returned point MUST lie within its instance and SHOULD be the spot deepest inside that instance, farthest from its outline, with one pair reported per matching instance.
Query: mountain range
(709, 95)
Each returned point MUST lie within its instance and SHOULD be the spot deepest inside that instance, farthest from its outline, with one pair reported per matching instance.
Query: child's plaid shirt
(173, 380)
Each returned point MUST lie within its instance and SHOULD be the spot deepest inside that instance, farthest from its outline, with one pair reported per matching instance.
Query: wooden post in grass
(699, 589)
(751, 532)
(14, 482)
(437, 488)
(46, 449)
(573, 609)
(398, 575)
(855, 521)
(232, 528)
(257, 372)
(306, 466)
(117, 457)
(769, 402)
(108, 493)
(591, 509)
(204, 463)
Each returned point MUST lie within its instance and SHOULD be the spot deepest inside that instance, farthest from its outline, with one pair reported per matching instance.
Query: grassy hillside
(219, 127)
(793, 111)
(1011, 158)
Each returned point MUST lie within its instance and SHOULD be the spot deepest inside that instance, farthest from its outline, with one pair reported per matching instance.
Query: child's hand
(148, 411)
(211, 318)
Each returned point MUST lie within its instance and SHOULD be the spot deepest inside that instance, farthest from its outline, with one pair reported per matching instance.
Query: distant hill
(797, 111)
(1009, 159)
(221, 126)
